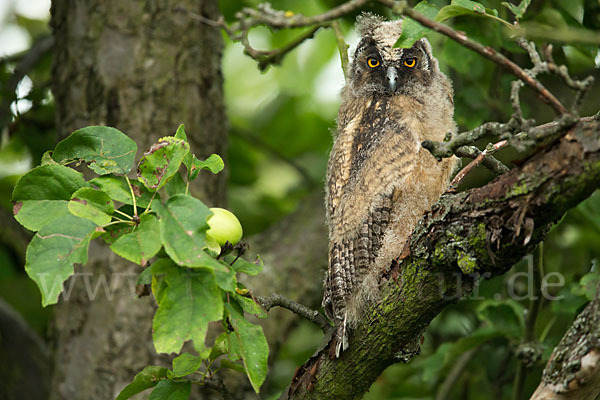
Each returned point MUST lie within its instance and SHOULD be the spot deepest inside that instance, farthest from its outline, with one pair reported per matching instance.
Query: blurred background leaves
(280, 124)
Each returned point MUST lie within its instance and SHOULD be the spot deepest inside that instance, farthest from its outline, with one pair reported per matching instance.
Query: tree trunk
(143, 67)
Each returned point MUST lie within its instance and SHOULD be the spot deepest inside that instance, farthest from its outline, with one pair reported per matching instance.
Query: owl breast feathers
(380, 180)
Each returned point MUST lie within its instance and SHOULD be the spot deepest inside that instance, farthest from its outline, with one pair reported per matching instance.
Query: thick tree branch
(573, 371)
(483, 230)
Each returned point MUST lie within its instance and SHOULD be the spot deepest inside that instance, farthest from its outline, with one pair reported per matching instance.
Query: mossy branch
(482, 231)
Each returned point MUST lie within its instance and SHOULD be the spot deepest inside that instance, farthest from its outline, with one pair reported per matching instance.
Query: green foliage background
(280, 124)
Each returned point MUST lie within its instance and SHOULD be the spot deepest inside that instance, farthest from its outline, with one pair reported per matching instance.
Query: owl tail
(341, 338)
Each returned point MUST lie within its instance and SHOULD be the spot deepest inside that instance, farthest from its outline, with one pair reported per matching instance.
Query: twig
(216, 383)
(264, 14)
(538, 133)
(505, 131)
(447, 149)
(485, 51)
(342, 46)
(491, 148)
(443, 393)
(582, 87)
(29, 60)
(276, 300)
(529, 352)
(254, 140)
(489, 161)
(269, 57)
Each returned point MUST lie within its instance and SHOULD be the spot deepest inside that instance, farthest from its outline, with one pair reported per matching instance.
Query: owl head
(379, 68)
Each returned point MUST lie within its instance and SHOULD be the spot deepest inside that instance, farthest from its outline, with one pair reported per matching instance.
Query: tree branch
(29, 60)
(573, 371)
(529, 351)
(277, 300)
(486, 51)
(483, 230)
(264, 14)
(455, 373)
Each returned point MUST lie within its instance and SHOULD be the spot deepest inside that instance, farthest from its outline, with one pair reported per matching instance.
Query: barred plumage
(379, 179)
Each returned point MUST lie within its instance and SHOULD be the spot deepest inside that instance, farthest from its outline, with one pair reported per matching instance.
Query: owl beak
(392, 78)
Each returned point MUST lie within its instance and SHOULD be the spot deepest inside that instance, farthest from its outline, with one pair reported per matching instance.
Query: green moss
(466, 263)
(478, 241)
(518, 190)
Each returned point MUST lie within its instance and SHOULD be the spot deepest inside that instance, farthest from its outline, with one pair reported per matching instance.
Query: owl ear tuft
(367, 22)
(424, 45)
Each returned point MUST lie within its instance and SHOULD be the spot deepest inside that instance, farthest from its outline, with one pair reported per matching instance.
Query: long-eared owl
(380, 180)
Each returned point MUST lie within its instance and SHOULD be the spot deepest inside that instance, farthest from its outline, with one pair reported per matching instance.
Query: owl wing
(349, 261)
(371, 154)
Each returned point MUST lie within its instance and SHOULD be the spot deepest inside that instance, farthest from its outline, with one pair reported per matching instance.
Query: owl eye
(410, 62)
(373, 62)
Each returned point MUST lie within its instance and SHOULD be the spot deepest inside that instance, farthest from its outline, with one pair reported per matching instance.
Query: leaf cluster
(152, 221)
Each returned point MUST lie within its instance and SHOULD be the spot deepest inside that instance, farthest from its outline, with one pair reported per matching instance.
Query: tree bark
(143, 67)
(573, 371)
(482, 231)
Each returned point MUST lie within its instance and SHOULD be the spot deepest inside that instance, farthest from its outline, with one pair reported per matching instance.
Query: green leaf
(142, 243)
(92, 204)
(241, 265)
(113, 232)
(448, 352)
(161, 162)
(175, 185)
(41, 195)
(180, 134)
(116, 187)
(220, 347)
(107, 149)
(47, 158)
(250, 306)
(53, 251)
(145, 379)
(214, 163)
(505, 316)
(145, 277)
(182, 229)
(225, 363)
(519, 10)
(158, 288)
(466, 7)
(470, 5)
(186, 364)
(190, 301)
(170, 390)
(575, 8)
(452, 11)
(252, 346)
(226, 279)
(588, 285)
(34, 214)
(412, 30)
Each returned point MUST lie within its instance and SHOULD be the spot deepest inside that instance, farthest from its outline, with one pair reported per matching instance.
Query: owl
(380, 180)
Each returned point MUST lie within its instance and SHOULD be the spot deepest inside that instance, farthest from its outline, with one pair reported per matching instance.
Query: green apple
(224, 226)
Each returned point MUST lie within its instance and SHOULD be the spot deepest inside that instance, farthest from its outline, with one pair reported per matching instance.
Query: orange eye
(410, 62)
(373, 62)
